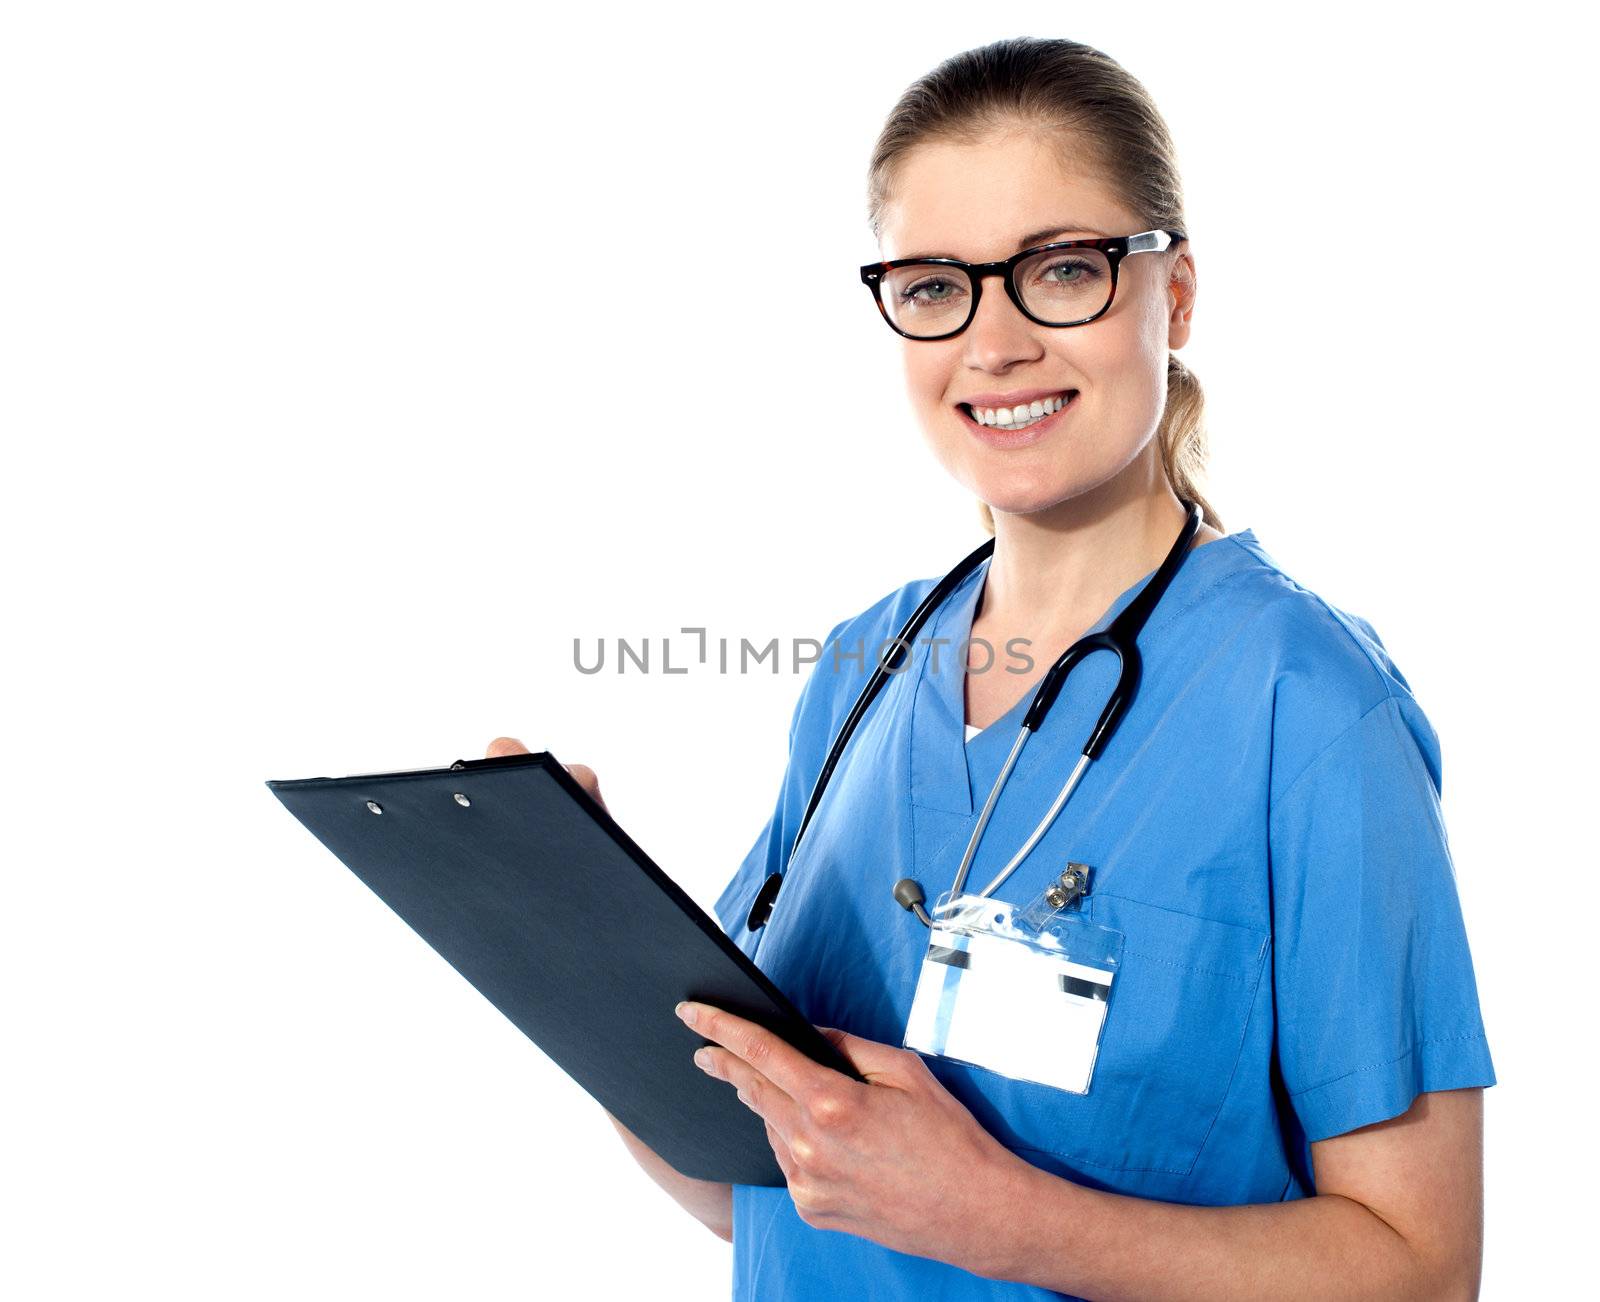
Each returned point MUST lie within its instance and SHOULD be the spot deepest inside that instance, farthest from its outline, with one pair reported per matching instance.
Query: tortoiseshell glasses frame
(1115, 248)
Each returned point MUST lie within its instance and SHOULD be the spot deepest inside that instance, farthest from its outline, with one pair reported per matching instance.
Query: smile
(1021, 416)
(1019, 426)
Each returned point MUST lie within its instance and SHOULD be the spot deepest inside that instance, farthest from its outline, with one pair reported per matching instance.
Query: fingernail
(685, 1012)
(702, 1059)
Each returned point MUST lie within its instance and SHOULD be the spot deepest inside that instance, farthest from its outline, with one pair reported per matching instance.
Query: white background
(358, 357)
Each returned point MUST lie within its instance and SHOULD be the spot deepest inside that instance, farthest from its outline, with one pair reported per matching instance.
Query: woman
(1287, 1095)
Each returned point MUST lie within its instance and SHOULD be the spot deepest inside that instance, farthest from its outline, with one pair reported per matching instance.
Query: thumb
(502, 746)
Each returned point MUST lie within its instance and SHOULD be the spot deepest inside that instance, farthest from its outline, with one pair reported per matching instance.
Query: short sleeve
(809, 738)
(1376, 1000)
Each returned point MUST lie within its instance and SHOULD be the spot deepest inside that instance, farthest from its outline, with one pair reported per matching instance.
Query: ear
(1181, 290)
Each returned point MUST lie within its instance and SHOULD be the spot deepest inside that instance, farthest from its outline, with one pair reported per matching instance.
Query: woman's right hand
(582, 774)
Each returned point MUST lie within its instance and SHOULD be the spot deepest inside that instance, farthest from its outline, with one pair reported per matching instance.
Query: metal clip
(1063, 893)
(1069, 887)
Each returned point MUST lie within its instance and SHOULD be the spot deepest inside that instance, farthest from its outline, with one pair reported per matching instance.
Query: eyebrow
(1029, 240)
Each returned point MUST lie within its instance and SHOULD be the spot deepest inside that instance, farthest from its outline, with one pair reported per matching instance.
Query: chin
(1023, 503)
(1021, 495)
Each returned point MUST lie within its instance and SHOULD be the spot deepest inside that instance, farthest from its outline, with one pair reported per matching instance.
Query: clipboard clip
(499, 762)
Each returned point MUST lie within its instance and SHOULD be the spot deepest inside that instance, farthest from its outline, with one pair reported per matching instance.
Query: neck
(1063, 567)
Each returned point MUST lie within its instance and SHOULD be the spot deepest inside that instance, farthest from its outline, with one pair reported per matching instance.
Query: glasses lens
(1065, 285)
(925, 299)
(1060, 287)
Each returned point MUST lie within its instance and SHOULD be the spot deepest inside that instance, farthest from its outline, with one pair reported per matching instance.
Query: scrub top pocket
(1171, 1042)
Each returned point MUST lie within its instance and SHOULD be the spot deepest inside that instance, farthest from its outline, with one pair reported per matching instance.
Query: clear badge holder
(1022, 992)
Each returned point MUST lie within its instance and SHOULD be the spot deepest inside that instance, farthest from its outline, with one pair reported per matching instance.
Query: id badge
(1008, 991)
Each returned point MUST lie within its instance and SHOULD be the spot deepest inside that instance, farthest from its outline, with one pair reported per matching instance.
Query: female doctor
(1286, 1098)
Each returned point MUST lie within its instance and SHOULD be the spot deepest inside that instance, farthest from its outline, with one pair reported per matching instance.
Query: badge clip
(1065, 892)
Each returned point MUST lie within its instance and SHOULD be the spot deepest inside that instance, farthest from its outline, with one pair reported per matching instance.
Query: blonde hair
(1088, 100)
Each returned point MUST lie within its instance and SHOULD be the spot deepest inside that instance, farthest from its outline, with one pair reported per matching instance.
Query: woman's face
(982, 203)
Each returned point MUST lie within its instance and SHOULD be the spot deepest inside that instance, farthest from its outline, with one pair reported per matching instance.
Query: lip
(1011, 399)
(999, 438)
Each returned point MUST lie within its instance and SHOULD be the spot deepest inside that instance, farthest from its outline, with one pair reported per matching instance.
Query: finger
(785, 1066)
(755, 1091)
(781, 1151)
(505, 746)
(881, 1064)
(585, 777)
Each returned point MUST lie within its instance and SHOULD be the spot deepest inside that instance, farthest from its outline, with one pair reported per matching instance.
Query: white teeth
(1023, 414)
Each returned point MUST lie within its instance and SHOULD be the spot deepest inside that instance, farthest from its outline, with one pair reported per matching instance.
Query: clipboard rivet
(374, 806)
(462, 800)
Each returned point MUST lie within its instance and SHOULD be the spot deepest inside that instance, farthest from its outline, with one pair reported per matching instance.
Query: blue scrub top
(1265, 830)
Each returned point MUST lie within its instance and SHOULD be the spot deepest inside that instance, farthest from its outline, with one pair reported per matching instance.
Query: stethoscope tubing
(1056, 806)
(1119, 637)
(887, 665)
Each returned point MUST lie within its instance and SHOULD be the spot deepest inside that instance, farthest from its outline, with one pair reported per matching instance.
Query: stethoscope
(1120, 637)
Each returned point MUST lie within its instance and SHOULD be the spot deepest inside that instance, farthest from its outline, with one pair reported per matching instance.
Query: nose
(998, 333)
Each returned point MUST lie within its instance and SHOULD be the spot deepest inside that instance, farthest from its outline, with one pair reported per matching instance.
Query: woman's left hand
(897, 1160)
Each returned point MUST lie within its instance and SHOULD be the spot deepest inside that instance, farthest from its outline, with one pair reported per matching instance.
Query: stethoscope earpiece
(908, 895)
(761, 910)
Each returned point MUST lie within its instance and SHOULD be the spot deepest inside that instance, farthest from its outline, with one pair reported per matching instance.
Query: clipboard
(520, 881)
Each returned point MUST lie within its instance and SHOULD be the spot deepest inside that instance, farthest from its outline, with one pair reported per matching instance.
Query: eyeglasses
(1069, 283)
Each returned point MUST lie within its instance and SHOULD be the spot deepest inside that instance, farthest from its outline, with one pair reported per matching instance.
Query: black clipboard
(532, 892)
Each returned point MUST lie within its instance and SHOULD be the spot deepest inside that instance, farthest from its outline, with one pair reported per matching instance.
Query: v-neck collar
(942, 758)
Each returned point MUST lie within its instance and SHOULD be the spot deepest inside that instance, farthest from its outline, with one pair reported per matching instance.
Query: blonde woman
(1283, 1094)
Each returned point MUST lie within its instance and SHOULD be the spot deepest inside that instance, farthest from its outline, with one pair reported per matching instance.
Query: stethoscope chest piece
(908, 895)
